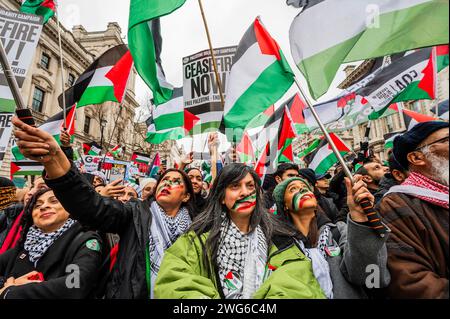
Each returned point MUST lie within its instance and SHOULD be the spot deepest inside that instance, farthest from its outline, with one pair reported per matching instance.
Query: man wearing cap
(323, 183)
(417, 212)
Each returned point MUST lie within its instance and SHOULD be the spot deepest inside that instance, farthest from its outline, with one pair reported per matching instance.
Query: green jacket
(182, 274)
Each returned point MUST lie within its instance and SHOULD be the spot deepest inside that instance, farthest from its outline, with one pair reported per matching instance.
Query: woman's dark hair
(190, 206)
(27, 217)
(210, 220)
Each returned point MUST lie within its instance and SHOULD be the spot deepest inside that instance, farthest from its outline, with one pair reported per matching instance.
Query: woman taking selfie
(54, 259)
(146, 231)
(236, 250)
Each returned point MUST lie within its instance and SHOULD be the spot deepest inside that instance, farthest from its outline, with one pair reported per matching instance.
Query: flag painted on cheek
(300, 198)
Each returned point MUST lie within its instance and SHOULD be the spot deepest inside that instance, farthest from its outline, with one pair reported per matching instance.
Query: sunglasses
(442, 140)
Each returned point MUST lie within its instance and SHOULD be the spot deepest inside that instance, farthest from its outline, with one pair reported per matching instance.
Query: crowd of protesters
(297, 235)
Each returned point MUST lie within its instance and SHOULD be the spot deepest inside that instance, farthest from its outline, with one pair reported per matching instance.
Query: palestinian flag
(413, 118)
(140, 158)
(117, 151)
(26, 167)
(342, 34)
(92, 149)
(296, 107)
(44, 8)
(310, 148)
(245, 149)
(442, 110)
(259, 77)
(168, 120)
(276, 139)
(53, 126)
(155, 167)
(324, 158)
(442, 57)
(145, 41)
(104, 80)
(264, 163)
(409, 78)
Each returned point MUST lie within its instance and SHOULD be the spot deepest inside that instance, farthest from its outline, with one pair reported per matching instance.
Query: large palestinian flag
(44, 8)
(324, 158)
(259, 77)
(145, 41)
(53, 126)
(328, 33)
(257, 124)
(105, 79)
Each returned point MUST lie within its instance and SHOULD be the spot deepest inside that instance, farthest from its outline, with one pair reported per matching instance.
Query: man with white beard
(417, 212)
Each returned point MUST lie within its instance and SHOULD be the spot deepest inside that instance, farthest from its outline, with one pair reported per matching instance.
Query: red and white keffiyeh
(419, 180)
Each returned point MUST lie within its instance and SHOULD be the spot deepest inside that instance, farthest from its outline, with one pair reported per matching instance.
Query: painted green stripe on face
(247, 200)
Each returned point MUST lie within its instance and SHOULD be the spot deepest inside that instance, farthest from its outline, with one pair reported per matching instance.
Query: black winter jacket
(74, 247)
(131, 221)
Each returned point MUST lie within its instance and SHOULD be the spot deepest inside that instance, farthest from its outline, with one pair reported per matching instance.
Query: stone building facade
(43, 86)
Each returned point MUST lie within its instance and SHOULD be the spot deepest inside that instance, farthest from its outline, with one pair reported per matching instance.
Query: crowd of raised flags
(390, 216)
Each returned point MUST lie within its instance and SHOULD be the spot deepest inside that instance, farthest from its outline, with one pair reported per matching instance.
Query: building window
(38, 99)
(390, 123)
(87, 124)
(45, 61)
(71, 79)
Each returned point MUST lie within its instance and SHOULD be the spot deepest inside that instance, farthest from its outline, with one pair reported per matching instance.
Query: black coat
(69, 249)
(131, 221)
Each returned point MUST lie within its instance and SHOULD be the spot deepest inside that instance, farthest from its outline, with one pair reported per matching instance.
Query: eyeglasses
(442, 140)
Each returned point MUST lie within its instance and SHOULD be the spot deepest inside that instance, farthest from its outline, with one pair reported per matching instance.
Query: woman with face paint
(196, 177)
(341, 252)
(145, 232)
(236, 250)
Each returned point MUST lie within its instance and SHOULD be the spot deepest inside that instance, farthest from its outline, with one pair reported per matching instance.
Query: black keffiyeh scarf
(38, 242)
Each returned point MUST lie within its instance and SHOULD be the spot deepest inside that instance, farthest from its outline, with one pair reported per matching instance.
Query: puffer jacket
(183, 275)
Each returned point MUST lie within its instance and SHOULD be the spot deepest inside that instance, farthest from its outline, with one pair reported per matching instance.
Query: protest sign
(19, 34)
(200, 89)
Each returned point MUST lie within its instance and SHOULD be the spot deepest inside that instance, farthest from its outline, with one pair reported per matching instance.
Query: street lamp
(103, 123)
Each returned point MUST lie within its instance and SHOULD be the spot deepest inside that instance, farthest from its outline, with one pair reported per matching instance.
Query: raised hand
(64, 138)
(355, 194)
(113, 189)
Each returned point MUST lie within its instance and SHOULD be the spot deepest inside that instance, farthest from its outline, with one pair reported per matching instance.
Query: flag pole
(372, 215)
(325, 132)
(61, 62)
(213, 56)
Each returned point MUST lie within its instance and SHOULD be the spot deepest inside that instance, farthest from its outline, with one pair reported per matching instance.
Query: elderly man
(417, 214)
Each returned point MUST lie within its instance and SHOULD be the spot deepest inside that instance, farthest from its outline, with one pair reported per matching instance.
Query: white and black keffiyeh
(38, 242)
(164, 231)
(241, 260)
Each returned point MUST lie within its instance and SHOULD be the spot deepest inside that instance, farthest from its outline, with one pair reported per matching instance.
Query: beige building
(43, 86)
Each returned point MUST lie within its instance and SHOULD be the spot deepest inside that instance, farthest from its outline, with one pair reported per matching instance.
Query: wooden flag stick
(213, 56)
(61, 62)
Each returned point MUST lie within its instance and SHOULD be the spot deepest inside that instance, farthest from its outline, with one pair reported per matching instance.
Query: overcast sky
(183, 32)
